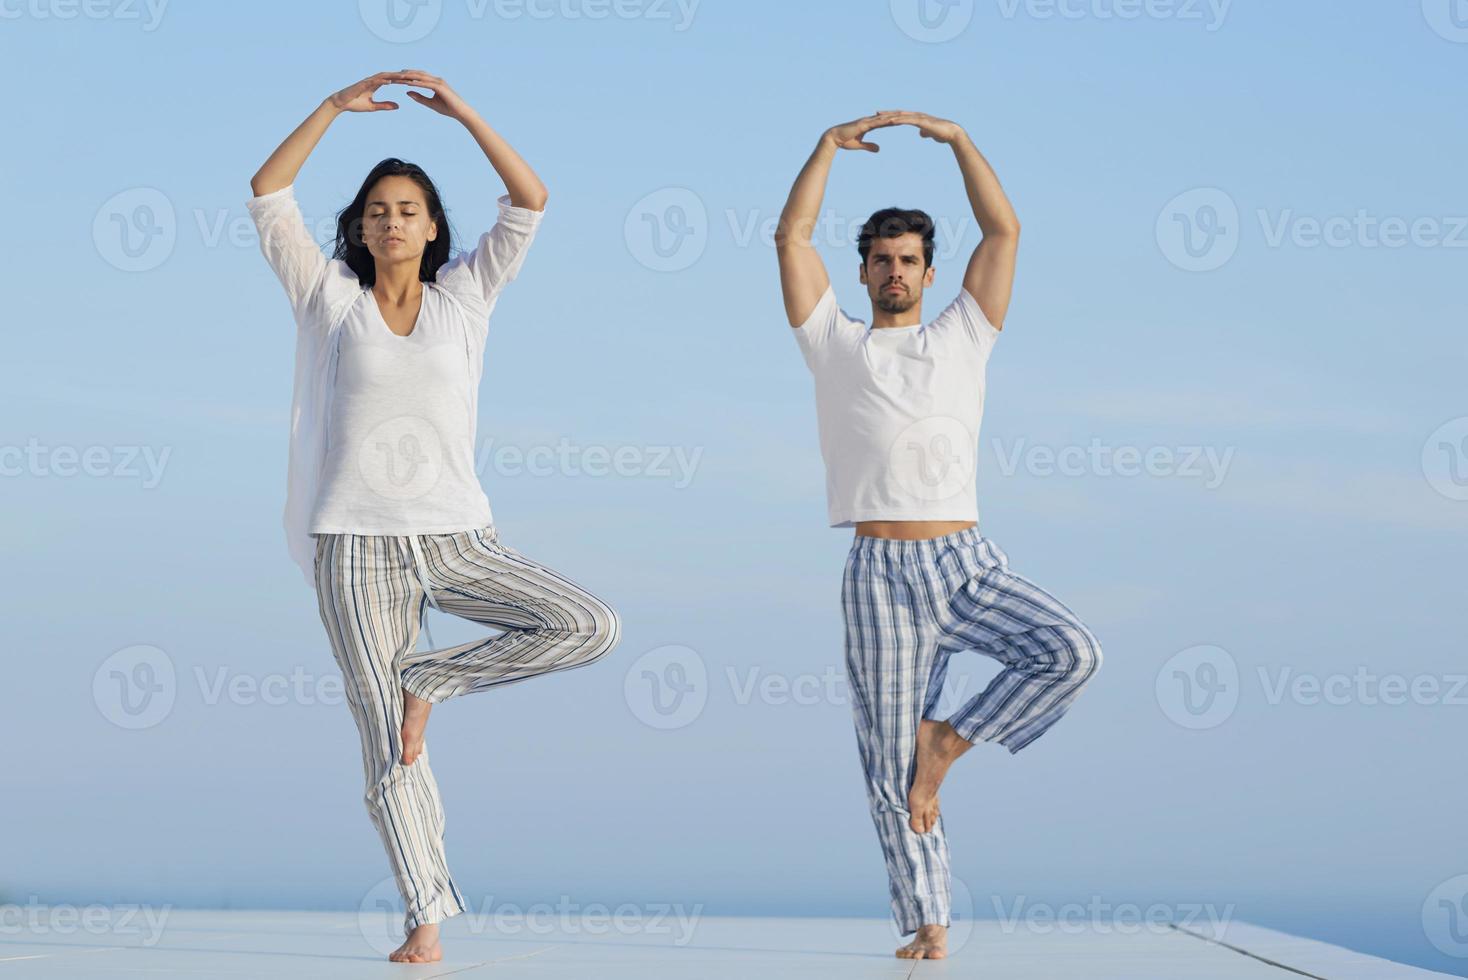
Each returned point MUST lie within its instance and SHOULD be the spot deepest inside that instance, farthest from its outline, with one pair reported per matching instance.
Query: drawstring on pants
(426, 581)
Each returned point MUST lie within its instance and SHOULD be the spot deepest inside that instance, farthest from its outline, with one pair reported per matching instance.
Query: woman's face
(395, 224)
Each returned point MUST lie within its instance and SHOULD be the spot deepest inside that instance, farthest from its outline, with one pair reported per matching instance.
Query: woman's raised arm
(281, 169)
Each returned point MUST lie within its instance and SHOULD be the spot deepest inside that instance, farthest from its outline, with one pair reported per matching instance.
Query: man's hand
(941, 130)
(848, 136)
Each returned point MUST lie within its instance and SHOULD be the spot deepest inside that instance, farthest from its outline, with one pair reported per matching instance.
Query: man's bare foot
(421, 945)
(415, 720)
(930, 943)
(937, 746)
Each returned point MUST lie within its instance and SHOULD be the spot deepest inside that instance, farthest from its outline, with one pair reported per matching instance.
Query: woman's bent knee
(600, 635)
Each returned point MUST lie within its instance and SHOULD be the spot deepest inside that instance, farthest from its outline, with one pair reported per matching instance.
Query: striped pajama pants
(373, 591)
(908, 606)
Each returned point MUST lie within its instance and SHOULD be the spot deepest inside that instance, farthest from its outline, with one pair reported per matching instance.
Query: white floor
(179, 944)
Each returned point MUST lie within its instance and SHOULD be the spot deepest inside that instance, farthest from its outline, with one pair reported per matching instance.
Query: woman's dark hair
(349, 246)
(892, 222)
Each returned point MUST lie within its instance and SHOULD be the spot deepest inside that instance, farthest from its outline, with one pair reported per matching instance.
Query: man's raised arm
(803, 275)
(989, 278)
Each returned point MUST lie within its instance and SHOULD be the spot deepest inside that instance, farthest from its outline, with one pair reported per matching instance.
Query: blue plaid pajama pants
(373, 591)
(908, 606)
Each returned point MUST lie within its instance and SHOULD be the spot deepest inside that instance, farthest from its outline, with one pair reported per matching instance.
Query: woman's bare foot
(421, 945)
(415, 720)
(930, 943)
(937, 746)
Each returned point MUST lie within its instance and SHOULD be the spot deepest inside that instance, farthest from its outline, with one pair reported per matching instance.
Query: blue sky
(1224, 424)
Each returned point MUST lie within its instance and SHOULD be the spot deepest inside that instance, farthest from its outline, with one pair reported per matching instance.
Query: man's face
(895, 273)
(395, 223)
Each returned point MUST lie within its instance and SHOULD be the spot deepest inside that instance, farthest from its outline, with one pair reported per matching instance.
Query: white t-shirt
(899, 410)
(383, 426)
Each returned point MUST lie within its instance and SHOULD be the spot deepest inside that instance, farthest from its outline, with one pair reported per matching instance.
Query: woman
(390, 344)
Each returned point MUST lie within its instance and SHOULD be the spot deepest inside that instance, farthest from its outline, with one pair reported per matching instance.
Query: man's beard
(894, 302)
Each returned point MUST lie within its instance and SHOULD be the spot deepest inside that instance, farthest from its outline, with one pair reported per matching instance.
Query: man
(899, 405)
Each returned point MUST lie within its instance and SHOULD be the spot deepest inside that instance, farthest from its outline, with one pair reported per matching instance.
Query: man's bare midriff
(909, 530)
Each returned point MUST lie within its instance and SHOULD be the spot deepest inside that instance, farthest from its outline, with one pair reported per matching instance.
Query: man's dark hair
(892, 222)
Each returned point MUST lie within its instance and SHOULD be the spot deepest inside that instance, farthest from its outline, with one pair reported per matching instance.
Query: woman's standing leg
(370, 605)
(549, 622)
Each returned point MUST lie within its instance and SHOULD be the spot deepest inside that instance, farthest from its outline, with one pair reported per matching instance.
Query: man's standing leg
(890, 645)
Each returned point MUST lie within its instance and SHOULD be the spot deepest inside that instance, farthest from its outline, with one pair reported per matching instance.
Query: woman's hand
(444, 99)
(358, 96)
